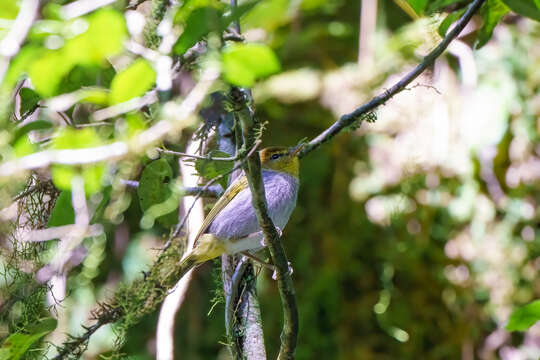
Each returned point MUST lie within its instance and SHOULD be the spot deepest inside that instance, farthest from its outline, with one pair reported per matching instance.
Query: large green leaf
(104, 37)
(528, 8)
(133, 81)
(154, 189)
(524, 317)
(492, 11)
(243, 64)
(17, 344)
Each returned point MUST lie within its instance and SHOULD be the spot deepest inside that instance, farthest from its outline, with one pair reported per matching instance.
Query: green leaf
(418, 5)
(9, 9)
(154, 189)
(29, 101)
(62, 213)
(133, 81)
(449, 20)
(24, 147)
(492, 11)
(19, 65)
(17, 344)
(62, 175)
(269, 15)
(47, 72)
(95, 95)
(438, 5)
(200, 17)
(199, 24)
(189, 6)
(70, 138)
(528, 8)
(243, 64)
(31, 126)
(238, 12)
(210, 169)
(524, 317)
(104, 38)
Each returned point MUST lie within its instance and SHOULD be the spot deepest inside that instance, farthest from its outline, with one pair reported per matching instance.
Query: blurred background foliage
(414, 237)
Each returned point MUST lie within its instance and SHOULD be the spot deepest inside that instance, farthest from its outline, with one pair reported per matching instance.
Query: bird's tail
(207, 247)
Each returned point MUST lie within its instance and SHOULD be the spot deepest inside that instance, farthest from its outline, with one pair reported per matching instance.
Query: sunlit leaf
(104, 37)
(135, 124)
(244, 64)
(70, 138)
(524, 317)
(48, 70)
(133, 81)
(189, 6)
(19, 64)
(17, 344)
(9, 9)
(528, 8)
(95, 96)
(492, 12)
(62, 175)
(24, 147)
(269, 15)
(154, 189)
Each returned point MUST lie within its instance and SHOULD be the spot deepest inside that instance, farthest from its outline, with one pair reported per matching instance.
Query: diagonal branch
(357, 115)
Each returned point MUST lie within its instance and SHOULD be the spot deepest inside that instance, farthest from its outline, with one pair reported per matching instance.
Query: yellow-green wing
(229, 194)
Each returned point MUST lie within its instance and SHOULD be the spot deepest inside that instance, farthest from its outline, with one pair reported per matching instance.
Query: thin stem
(348, 119)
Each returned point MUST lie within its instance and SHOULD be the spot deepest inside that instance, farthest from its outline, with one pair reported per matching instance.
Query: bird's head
(281, 158)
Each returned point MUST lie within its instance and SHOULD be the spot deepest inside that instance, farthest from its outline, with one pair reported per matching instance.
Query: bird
(231, 226)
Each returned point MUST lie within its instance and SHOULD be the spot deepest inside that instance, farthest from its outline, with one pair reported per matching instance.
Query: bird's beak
(295, 150)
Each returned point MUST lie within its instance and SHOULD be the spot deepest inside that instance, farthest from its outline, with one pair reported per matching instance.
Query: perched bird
(231, 226)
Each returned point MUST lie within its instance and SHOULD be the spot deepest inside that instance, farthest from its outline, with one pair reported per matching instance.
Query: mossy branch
(131, 302)
(285, 285)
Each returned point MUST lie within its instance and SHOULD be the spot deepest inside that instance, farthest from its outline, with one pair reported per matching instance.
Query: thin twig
(348, 119)
(211, 192)
(200, 157)
(207, 185)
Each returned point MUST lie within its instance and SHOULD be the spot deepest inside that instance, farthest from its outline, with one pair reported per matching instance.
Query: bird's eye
(275, 156)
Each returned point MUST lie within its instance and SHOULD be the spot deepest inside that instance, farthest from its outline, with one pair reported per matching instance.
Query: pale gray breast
(238, 218)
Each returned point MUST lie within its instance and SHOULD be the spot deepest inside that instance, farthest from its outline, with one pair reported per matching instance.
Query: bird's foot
(264, 243)
(290, 270)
